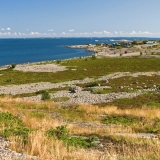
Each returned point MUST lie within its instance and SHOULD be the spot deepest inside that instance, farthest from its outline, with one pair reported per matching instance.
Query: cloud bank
(7, 32)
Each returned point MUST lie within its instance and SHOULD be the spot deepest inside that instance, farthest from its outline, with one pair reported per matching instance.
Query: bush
(91, 84)
(121, 120)
(13, 126)
(93, 57)
(13, 65)
(58, 61)
(62, 133)
(45, 95)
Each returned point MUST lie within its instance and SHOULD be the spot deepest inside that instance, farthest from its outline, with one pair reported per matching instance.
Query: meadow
(116, 130)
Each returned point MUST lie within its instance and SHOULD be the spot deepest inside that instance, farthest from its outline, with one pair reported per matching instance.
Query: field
(121, 129)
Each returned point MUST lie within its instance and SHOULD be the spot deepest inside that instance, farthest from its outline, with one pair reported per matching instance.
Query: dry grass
(47, 148)
(148, 113)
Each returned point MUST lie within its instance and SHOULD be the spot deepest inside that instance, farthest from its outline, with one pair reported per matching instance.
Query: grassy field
(90, 132)
(84, 68)
(45, 130)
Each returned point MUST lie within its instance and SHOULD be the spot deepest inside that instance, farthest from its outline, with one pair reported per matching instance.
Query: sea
(27, 50)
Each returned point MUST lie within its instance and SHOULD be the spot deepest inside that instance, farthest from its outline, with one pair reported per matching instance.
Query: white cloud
(7, 33)
(71, 30)
(21, 34)
(97, 32)
(142, 33)
(106, 32)
(2, 29)
(133, 32)
(8, 29)
(64, 33)
(34, 33)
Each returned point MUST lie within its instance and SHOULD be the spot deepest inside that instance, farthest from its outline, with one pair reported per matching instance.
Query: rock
(75, 89)
(121, 87)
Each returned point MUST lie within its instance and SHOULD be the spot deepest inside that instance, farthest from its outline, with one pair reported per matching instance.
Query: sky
(79, 18)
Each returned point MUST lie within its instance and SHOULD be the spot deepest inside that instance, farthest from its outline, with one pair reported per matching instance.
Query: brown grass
(47, 149)
(148, 113)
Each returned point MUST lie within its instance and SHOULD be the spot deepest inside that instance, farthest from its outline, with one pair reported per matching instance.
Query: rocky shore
(122, 49)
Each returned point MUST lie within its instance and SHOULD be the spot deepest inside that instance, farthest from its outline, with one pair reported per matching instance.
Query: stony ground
(8, 154)
(40, 67)
(80, 96)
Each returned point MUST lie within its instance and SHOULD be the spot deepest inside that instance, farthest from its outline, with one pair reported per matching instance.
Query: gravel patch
(40, 68)
(87, 97)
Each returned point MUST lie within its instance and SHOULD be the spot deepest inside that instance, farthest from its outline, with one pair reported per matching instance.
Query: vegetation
(62, 133)
(46, 136)
(142, 101)
(92, 84)
(96, 68)
(52, 131)
(13, 65)
(12, 126)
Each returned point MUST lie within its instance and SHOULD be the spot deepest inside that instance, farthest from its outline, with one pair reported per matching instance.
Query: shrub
(58, 61)
(93, 57)
(62, 133)
(121, 120)
(13, 65)
(45, 95)
(91, 84)
(13, 126)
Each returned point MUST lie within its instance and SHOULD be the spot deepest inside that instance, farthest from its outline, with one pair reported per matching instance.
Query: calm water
(43, 49)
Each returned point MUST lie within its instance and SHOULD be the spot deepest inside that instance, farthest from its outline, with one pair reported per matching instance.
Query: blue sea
(45, 49)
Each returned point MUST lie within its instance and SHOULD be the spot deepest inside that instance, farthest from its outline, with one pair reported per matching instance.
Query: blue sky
(79, 18)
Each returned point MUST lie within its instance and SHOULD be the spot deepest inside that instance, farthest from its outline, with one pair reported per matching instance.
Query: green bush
(93, 57)
(13, 65)
(62, 133)
(58, 61)
(13, 126)
(45, 95)
(121, 120)
(91, 84)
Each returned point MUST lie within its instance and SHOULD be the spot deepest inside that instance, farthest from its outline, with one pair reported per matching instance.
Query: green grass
(141, 101)
(121, 120)
(62, 133)
(93, 68)
(12, 126)
(138, 124)
(124, 84)
(53, 90)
